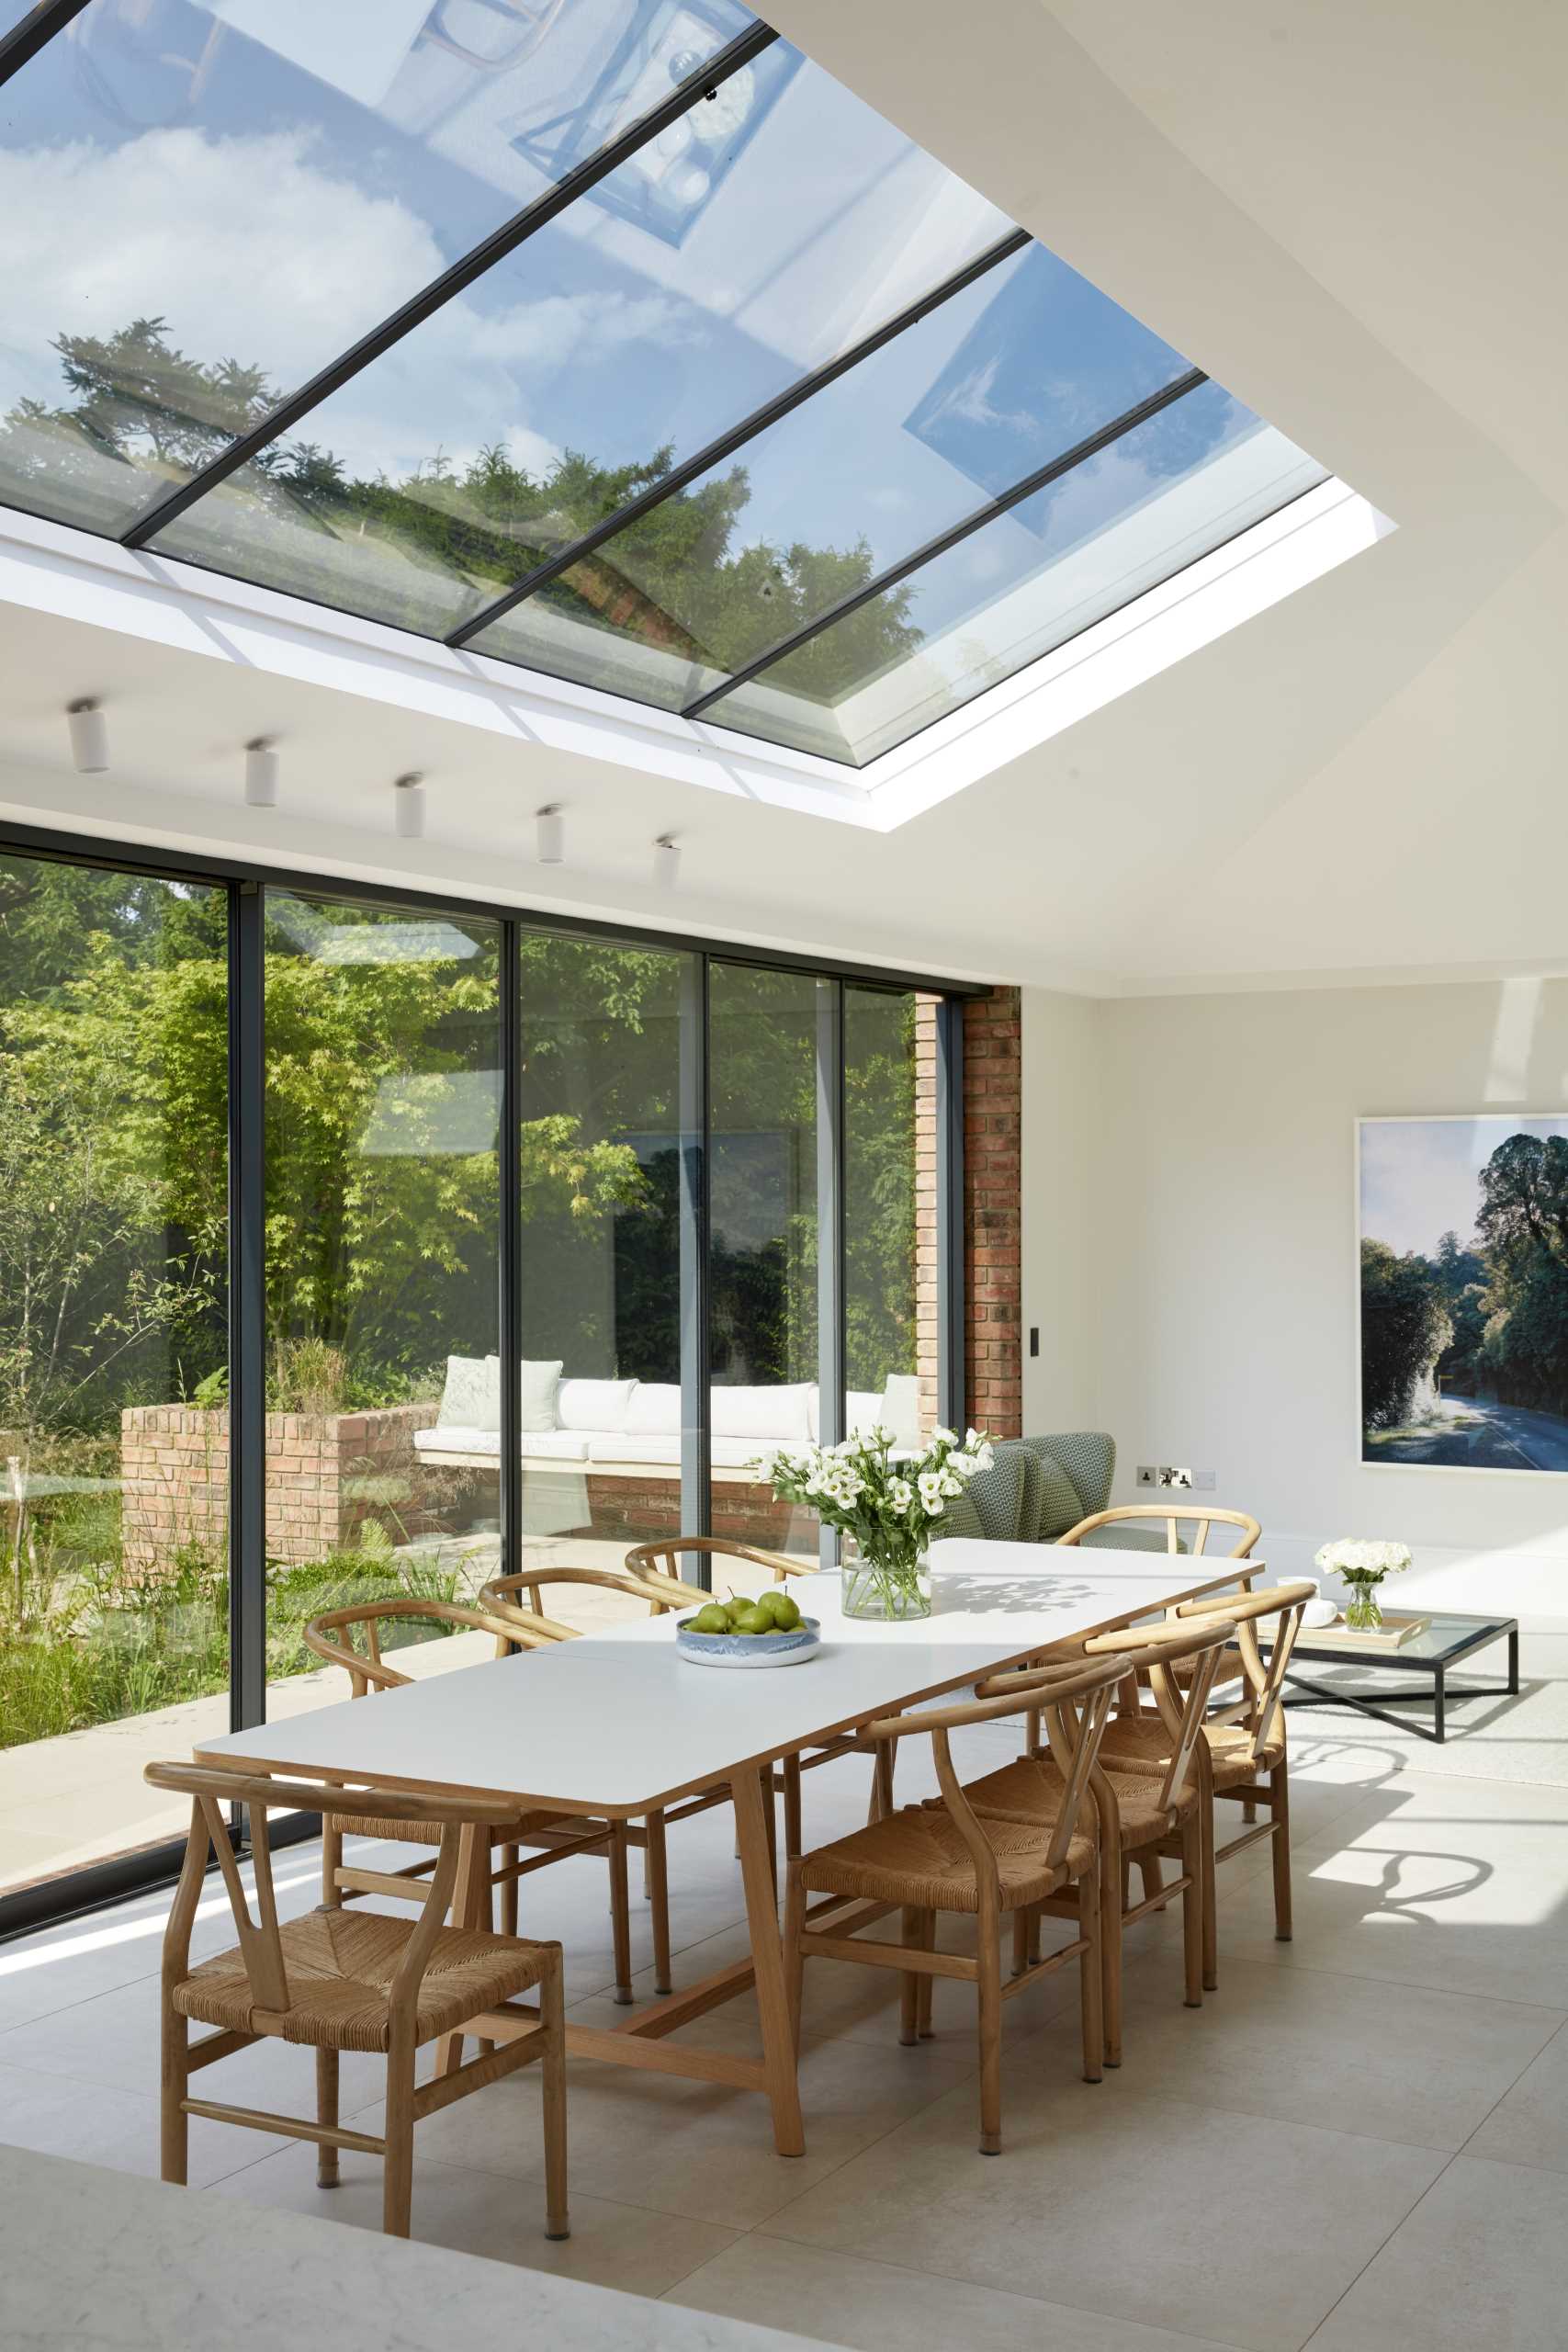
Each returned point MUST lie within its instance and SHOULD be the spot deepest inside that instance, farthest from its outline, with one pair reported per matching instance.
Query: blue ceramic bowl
(793, 1649)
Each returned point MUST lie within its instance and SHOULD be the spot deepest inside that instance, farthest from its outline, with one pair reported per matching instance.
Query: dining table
(616, 1724)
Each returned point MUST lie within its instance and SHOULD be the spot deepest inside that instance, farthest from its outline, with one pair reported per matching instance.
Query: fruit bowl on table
(735, 1637)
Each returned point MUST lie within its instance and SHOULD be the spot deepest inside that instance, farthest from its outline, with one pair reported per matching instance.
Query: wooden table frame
(640, 2039)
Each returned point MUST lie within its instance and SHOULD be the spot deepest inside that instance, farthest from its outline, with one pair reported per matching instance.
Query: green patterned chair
(1039, 1489)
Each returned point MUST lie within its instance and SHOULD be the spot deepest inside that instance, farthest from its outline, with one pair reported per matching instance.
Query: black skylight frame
(144, 530)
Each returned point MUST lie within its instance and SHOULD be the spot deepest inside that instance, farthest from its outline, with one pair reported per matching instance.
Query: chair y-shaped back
(1174, 1517)
(336, 1636)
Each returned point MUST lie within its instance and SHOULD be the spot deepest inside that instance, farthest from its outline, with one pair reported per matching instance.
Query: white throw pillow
(471, 1398)
(654, 1410)
(779, 1413)
(539, 1381)
(594, 1404)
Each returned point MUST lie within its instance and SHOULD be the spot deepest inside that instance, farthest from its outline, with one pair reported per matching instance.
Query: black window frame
(147, 1868)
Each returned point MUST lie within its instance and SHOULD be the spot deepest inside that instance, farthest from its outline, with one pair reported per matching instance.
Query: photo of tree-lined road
(1464, 1292)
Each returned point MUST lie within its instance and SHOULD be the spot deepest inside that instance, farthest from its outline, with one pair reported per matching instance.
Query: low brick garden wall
(321, 1469)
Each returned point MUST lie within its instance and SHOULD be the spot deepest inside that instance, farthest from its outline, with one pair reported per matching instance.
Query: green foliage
(1405, 1328)
(105, 1646)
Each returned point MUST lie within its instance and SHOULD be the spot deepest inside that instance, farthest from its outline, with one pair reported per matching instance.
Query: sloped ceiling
(1354, 216)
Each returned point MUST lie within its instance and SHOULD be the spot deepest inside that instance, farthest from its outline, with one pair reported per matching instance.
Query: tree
(1405, 1328)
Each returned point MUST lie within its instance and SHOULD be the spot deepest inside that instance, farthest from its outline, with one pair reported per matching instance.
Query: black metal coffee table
(1446, 1641)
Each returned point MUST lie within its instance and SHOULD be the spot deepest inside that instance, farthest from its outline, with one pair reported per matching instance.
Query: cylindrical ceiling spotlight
(410, 806)
(551, 827)
(666, 862)
(89, 736)
(261, 773)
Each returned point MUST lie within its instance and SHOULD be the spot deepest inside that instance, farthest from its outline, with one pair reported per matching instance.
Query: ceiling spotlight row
(90, 751)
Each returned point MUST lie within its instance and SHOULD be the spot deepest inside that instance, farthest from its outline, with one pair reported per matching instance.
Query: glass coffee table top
(1446, 1638)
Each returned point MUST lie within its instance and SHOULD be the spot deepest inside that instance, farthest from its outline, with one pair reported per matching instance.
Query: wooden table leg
(752, 1805)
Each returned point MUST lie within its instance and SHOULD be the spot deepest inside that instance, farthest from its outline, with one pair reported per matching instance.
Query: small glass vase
(1362, 1613)
(893, 1590)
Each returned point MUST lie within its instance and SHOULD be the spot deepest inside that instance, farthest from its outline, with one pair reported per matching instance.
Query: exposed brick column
(927, 1261)
(993, 1211)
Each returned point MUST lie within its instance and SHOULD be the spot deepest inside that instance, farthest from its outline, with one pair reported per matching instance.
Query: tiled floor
(1359, 2143)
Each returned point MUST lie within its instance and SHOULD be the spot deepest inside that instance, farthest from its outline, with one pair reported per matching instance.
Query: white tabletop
(617, 1723)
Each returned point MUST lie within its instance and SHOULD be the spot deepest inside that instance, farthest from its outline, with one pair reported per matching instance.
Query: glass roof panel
(206, 201)
(1171, 491)
(1004, 378)
(768, 230)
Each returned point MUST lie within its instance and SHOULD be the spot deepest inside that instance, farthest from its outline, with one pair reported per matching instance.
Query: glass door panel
(762, 1278)
(383, 1422)
(890, 1212)
(608, 1035)
(114, 1442)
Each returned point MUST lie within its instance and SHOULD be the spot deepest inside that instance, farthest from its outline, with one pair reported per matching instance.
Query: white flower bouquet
(888, 1504)
(1363, 1568)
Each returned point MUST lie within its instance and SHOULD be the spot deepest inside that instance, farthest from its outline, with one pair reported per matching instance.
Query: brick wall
(174, 1473)
(926, 1282)
(992, 1211)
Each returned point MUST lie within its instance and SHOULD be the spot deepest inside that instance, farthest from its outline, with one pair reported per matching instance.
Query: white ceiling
(1354, 216)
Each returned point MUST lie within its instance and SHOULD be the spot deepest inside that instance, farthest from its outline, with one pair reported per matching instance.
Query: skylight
(608, 338)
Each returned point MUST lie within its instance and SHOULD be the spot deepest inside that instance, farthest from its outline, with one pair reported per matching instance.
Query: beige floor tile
(880, 2307)
(495, 2215)
(98, 2125)
(696, 2148)
(1077, 2159)
(1394, 2062)
(115, 2040)
(1480, 2265)
(1385, 1915)
(1530, 2125)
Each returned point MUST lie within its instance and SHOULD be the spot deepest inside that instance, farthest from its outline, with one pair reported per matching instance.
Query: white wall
(1060, 1062)
(1215, 1295)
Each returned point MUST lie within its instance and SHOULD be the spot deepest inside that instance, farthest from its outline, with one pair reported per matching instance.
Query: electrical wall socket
(1147, 1475)
(1170, 1477)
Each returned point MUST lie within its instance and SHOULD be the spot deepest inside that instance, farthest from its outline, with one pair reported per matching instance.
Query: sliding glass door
(114, 1575)
(610, 1044)
(541, 1242)
(382, 1029)
(762, 1280)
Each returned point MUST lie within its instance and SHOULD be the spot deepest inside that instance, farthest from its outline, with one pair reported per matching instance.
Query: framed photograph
(1463, 1291)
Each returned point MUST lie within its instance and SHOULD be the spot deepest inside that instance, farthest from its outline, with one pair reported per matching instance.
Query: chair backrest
(1155, 1652)
(1074, 1697)
(209, 1788)
(660, 1561)
(660, 1592)
(1262, 1708)
(1182, 1699)
(1088, 1457)
(331, 1635)
(1175, 1516)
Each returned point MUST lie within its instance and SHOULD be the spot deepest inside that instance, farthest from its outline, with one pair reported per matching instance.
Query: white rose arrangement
(1363, 1568)
(891, 1504)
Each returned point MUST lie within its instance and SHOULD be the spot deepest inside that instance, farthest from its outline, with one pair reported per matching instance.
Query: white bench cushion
(772, 1416)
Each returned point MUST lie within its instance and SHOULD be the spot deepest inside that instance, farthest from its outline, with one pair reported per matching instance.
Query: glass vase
(893, 1590)
(1362, 1613)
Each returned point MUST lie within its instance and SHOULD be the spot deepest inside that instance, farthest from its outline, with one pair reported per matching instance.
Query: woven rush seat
(1143, 1743)
(918, 1858)
(1031, 1789)
(339, 1966)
